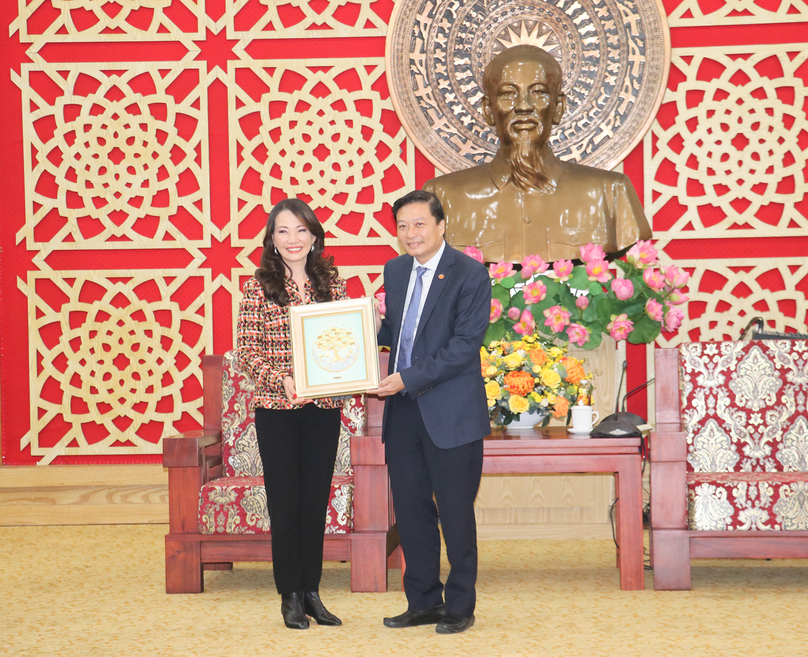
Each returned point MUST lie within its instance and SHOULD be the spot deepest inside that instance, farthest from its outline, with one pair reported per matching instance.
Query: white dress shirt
(426, 280)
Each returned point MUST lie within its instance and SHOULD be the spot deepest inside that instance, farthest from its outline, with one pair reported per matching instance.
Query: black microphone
(620, 387)
(619, 424)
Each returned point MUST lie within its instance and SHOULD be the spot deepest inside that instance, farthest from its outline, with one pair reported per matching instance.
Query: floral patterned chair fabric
(729, 455)
(236, 503)
(747, 434)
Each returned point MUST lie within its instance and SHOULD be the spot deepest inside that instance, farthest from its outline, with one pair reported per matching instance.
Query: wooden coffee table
(553, 450)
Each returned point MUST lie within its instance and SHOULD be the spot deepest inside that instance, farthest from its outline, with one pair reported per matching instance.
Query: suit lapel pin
(440, 276)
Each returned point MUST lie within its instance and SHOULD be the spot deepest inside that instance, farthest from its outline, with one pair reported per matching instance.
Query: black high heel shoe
(293, 612)
(315, 608)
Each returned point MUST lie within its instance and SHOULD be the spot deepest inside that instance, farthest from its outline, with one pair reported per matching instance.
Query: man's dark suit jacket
(445, 373)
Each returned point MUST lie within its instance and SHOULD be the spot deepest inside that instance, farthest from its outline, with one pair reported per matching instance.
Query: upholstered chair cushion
(236, 502)
(748, 501)
(747, 434)
(238, 505)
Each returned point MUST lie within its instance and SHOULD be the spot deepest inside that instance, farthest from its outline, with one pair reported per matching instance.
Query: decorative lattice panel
(726, 294)
(327, 132)
(146, 140)
(115, 157)
(726, 156)
(688, 13)
(284, 19)
(114, 359)
(725, 183)
(44, 21)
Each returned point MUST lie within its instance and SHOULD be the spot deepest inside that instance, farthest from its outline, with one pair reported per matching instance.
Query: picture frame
(334, 348)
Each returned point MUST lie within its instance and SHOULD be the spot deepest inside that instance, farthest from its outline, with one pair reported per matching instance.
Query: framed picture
(334, 348)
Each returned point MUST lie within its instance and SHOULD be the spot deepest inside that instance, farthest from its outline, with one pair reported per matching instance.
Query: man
(526, 201)
(435, 416)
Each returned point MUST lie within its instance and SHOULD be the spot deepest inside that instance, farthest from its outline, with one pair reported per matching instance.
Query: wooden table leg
(629, 525)
(615, 511)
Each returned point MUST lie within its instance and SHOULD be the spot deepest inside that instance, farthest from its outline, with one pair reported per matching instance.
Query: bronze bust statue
(526, 201)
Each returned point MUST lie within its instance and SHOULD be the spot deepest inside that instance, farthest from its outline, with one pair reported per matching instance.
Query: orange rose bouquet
(529, 375)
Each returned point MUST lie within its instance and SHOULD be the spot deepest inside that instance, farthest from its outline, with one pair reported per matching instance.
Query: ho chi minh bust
(526, 201)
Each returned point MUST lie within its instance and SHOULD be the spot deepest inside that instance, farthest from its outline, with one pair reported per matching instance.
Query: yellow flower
(535, 396)
(513, 361)
(518, 404)
(555, 352)
(491, 370)
(551, 398)
(550, 378)
(492, 403)
(492, 390)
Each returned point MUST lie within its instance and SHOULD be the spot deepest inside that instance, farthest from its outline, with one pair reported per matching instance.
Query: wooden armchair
(729, 455)
(217, 501)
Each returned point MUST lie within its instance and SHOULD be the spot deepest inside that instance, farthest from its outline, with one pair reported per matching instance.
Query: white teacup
(583, 419)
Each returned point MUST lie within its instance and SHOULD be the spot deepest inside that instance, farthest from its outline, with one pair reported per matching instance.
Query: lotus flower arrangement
(579, 304)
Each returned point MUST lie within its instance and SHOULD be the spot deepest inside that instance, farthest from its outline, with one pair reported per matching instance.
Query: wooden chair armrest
(187, 450)
(192, 459)
(371, 487)
(668, 453)
(367, 450)
(668, 443)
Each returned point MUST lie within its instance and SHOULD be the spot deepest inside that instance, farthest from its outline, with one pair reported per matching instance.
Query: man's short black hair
(420, 196)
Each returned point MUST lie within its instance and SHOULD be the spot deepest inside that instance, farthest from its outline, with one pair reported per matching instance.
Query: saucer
(579, 432)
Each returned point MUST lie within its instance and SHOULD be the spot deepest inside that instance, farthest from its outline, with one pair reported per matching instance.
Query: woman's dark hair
(273, 272)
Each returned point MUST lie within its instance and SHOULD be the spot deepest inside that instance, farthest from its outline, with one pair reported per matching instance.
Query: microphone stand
(621, 424)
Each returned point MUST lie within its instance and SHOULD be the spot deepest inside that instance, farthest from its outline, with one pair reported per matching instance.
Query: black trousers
(418, 470)
(298, 449)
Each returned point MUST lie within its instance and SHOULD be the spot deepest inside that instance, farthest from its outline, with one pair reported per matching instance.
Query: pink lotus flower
(676, 298)
(557, 318)
(598, 270)
(675, 277)
(673, 319)
(620, 326)
(654, 310)
(526, 324)
(382, 307)
(475, 253)
(642, 255)
(582, 302)
(513, 313)
(623, 288)
(534, 292)
(500, 270)
(563, 269)
(533, 265)
(592, 252)
(654, 279)
(496, 310)
(578, 334)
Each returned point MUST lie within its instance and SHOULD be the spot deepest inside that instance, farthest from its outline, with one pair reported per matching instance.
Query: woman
(297, 438)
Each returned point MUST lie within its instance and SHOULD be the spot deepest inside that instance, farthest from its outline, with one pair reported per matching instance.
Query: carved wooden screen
(145, 141)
